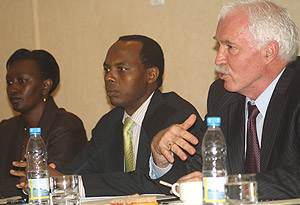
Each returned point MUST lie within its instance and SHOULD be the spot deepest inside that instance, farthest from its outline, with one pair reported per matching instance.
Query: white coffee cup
(189, 192)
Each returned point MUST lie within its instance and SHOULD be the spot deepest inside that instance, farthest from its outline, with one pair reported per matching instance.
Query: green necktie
(128, 148)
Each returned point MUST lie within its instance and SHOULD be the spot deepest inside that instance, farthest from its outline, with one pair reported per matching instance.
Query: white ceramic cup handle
(174, 189)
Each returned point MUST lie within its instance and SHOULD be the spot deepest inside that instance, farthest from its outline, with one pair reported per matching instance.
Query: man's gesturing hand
(174, 139)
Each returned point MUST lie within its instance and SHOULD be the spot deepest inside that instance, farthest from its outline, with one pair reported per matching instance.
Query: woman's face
(25, 87)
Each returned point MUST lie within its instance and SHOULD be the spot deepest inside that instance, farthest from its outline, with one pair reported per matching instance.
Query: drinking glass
(241, 189)
(64, 190)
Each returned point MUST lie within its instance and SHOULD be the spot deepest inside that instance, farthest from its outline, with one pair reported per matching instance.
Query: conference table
(107, 202)
(166, 200)
(171, 200)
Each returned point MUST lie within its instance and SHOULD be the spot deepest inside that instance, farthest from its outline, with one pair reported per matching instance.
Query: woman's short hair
(47, 64)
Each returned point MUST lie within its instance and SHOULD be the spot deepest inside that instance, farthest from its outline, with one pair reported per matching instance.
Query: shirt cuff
(24, 192)
(156, 172)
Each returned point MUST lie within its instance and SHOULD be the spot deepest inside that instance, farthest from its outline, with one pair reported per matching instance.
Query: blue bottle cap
(213, 121)
(35, 130)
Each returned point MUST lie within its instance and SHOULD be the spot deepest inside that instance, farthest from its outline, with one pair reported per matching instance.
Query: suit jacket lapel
(273, 116)
(236, 136)
(117, 152)
(148, 129)
(47, 119)
(143, 149)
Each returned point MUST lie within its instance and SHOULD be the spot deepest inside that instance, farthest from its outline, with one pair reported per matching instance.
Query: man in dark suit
(133, 68)
(257, 63)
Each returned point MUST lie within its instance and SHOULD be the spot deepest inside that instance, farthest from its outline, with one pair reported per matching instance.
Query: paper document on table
(103, 200)
(107, 199)
(160, 197)
(85, 199)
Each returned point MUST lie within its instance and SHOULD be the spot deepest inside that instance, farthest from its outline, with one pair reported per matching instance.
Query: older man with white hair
(258, 70)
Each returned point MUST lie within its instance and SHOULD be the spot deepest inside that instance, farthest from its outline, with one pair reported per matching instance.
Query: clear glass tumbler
(241, 189)
(65, 190)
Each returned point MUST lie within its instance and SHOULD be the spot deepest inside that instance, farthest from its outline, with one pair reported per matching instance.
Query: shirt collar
(263, 100)
(139, 114)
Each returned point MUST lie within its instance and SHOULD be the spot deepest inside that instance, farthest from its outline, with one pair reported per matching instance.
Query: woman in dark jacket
(31, 78)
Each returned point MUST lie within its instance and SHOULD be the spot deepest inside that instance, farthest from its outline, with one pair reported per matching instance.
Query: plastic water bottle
(37, 173)
(214, 171)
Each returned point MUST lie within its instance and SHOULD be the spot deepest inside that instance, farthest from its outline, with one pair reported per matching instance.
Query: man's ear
(152, 74)
(270, 51)
(47, 84)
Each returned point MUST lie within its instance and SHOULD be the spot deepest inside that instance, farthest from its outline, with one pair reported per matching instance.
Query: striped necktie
(128, 148)
(252, 163)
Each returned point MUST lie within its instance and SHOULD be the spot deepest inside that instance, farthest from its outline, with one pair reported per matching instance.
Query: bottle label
(38, 188)
(214, 189)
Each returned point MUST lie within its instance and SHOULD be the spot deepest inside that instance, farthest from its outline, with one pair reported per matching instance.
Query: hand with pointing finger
(174, 139)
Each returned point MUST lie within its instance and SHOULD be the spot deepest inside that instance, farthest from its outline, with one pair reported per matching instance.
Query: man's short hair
(151, 53)
(267, 22)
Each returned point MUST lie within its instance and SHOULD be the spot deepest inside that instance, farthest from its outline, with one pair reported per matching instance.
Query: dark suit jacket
(280, 145)
(62, 132)
(101, 162)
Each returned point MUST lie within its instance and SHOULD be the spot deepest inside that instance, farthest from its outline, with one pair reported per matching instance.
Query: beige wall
(79, 32)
